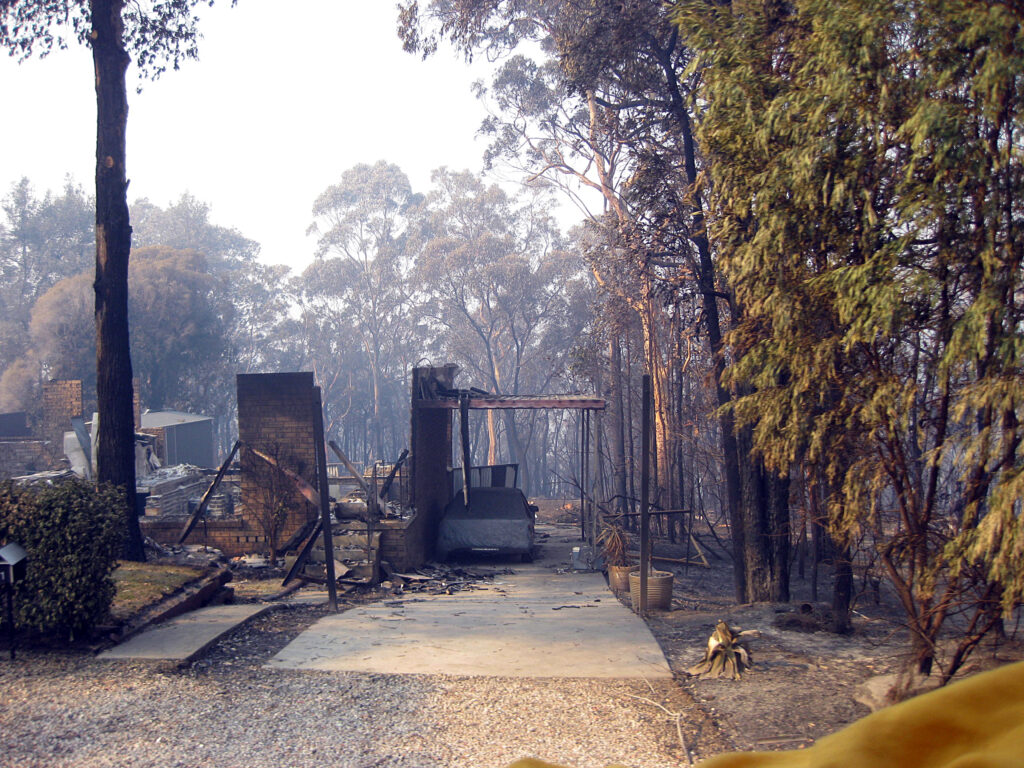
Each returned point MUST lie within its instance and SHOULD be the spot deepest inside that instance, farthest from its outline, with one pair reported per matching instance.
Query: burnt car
(498, 521)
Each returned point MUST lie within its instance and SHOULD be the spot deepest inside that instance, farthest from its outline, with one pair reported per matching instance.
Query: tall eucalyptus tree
(499, 292)
(159, 34)
(359, 275)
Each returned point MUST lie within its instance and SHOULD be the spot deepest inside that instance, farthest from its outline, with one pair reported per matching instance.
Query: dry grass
(142, 584)
(256, 589)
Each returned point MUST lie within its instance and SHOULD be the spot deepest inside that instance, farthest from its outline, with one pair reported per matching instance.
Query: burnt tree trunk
(766, 550)
(779, 536)
(631, 522)
(618, 426)
(713, 327)
(842, 591)
(753, 497)
(115, 455)
(760, 553)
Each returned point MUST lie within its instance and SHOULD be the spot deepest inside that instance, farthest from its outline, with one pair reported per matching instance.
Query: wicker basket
(659, 589)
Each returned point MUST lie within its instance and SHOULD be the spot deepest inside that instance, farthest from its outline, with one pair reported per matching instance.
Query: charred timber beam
(464, 431)
(309, 493)
(300, 561)
(520, 402)
(394, 471)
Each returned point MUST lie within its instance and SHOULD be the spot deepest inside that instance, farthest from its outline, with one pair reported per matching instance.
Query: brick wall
(407, 544)
(275, 417)
(430, 462)
(222, 527)
(400, 542)
(19, 456)
(232, 537)
(62, 401)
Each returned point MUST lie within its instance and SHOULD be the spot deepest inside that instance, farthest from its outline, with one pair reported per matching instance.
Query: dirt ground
(806, 682)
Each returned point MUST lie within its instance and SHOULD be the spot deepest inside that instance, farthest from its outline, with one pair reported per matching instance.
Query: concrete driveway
(543, 621)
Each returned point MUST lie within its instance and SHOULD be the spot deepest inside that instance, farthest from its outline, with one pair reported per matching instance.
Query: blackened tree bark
(842, 591)
(753, 508)
(618, 426)
(780, 537)
(115, 455)
(758, 505)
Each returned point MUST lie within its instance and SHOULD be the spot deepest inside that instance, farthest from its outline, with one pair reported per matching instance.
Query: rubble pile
(169, 489)
(174, 492)
(354, 507)
(47, 477)
(355, 574)
(441, 579)
(181, 554)
(357, 557)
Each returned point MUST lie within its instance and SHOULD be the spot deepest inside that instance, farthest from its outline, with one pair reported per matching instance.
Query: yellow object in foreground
(974, 723)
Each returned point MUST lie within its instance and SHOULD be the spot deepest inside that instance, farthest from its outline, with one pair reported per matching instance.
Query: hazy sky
(279, 104)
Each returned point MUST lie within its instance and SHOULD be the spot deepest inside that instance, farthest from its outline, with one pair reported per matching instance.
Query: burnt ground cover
(806, 682)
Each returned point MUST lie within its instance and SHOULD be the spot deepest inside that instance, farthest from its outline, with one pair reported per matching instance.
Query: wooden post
(583, 524)
(645, 472)
(356, 474)
(9, 589)
(464, 434)
(325, 499)
(584, 452)
(596, 491)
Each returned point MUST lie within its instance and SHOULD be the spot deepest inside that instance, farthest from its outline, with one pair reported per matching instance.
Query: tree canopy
(866, 172)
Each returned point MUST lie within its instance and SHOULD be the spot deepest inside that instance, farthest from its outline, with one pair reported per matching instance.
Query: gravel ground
(227, 710)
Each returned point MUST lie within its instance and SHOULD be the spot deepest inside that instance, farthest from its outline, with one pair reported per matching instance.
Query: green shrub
(73, 534)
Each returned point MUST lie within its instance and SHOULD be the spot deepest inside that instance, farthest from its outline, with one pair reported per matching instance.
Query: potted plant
(659, 588)
(659, 584)
(614, 543)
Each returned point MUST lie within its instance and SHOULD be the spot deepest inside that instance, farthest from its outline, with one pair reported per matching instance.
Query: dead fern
(614, 543)
(727, 654)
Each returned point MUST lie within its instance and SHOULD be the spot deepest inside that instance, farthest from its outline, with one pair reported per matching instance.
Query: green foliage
(42, 241)
(161, 34)
(867, 177)
(73, 534)
(356, 289)
(185, 225)
(179, 336)
(63, 332)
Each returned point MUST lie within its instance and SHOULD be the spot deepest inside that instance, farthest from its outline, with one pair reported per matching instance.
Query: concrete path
(187, 636)
(544, 621)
